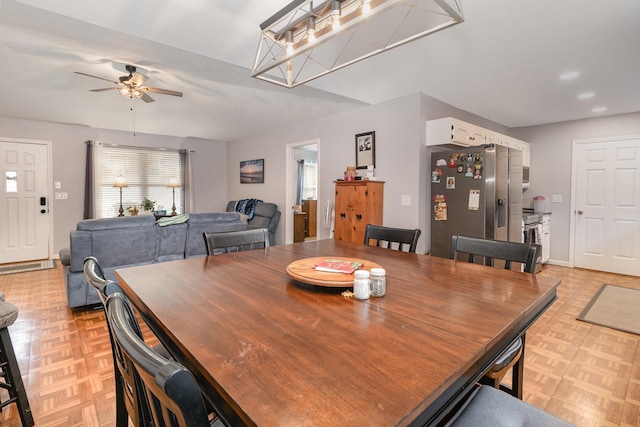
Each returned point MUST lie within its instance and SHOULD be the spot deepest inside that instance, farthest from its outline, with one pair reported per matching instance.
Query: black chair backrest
(234, 241)
(526, 253)
(171, 392)
(130, 397)
(399, 236)
(94, 275)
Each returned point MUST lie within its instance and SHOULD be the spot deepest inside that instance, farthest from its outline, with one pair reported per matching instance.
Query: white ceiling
(503, 63)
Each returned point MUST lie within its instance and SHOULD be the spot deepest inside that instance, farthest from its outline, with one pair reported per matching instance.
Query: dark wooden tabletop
(270, 352)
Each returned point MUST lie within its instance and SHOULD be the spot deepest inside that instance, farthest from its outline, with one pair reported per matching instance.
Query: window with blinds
(310, 182)
(147, 172)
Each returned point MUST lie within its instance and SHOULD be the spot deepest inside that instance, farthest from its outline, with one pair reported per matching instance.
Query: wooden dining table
(269, 351)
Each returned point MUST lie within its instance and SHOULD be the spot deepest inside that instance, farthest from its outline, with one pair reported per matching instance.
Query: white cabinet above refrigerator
(452, 131)
(449, 130)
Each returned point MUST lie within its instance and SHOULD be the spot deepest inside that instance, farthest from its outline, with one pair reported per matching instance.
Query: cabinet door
(310, 207)
(298, 227)
(360, 214)
(343, 212)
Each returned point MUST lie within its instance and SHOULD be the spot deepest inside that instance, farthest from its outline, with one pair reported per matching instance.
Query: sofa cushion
(114, 241)
(265, 209)
(173, 239)
(116, 223)
(198, 223)
(123, 247)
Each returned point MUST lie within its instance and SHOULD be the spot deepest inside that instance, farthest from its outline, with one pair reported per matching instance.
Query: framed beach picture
(365, 150)
(252, 171)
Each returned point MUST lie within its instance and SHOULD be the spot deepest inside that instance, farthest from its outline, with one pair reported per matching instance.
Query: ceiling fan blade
(161, 91)
(138, 79)
(96, 77)
(147, 98)
(103, 89)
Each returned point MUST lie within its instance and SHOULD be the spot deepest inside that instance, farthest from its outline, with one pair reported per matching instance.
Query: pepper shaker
(378, 282)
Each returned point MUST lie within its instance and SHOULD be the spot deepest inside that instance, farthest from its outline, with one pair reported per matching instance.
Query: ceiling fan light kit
(132, 85)
(308, 39)
(131, 92)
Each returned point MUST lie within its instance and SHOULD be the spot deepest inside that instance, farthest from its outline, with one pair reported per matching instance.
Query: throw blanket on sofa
(247, 207)
(170, 220)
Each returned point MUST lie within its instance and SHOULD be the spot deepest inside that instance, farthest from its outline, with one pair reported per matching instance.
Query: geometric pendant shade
(308, 39)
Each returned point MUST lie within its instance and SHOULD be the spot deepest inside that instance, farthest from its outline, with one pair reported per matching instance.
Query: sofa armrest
(79, 250)
(65, 256)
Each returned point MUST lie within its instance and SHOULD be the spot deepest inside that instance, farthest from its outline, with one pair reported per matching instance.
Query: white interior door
(24, 229)
(607, 205)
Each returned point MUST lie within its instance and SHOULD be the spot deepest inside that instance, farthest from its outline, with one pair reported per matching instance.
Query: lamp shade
(120, 182)
(173, 183)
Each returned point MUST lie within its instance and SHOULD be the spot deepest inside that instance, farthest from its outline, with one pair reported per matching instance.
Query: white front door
(24, 204)
(607, 205)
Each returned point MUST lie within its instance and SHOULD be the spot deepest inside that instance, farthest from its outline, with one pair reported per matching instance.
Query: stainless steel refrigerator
(475, 191)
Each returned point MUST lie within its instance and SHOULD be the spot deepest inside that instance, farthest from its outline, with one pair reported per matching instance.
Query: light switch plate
(61, 195)
(556, 198)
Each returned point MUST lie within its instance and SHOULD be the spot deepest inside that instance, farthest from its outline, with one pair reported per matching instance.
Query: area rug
(27, 266)
(615, 307)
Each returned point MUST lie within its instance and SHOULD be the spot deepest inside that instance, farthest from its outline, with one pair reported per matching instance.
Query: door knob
(43, 211)
(579, 212)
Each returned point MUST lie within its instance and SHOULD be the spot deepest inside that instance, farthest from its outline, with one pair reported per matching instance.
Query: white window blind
(146, 171)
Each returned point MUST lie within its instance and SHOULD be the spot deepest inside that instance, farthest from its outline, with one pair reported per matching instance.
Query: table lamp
(173, 184)
(120, 183)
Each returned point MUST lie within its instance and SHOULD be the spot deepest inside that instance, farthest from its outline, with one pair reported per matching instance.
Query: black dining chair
(509, 252)
(130, 401)
(488, 407)
(491, 250)
(235, 241)
(170, 391)
(392, 238)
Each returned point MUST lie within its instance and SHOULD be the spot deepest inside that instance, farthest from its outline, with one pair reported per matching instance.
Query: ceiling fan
(131, 86)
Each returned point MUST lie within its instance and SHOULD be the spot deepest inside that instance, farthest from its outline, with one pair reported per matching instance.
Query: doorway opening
(302, 191)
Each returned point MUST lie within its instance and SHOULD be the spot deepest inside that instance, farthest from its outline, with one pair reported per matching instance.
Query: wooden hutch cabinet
(358, 203)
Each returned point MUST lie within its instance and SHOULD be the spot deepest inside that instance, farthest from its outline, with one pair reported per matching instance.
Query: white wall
(396, 124)
(400, 127)
(551, 166)
(69, 158)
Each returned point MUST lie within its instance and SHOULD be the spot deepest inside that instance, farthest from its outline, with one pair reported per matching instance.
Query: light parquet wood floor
(586, 374)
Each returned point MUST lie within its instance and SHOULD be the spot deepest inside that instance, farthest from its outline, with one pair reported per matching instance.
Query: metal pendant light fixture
(308, 39)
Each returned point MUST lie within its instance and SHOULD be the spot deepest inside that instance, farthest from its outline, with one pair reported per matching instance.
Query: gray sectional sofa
(137, 240)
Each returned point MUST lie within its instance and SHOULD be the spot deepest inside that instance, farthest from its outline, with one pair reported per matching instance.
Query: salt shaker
(361, 285)
(378, 282)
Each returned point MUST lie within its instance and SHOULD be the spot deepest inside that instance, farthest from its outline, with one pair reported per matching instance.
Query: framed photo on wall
(252, 171)
(365, 150)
